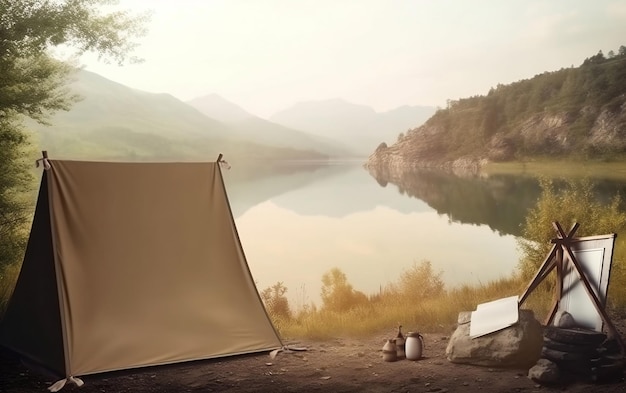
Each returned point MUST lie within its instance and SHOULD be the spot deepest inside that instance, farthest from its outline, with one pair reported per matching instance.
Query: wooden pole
(44, 156)
(544, 270)
(558, 261)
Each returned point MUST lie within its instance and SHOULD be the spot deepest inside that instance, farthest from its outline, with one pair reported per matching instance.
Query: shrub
(575, 202)
(276, 302)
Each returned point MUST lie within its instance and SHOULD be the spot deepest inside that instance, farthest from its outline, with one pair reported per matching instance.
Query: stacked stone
(577, 354)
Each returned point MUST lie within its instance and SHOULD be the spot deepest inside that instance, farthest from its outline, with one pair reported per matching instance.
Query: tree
(14, 185)
(338, 294)
(597, 59)
(33, 84)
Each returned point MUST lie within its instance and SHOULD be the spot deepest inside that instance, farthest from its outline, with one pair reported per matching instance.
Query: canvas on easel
(582, 267)
(595, 255)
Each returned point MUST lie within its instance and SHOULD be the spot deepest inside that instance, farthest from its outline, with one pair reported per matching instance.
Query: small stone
(544, 371)
(564, 319)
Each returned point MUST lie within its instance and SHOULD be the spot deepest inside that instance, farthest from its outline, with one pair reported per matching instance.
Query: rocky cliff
(543, 134)
(573, 113)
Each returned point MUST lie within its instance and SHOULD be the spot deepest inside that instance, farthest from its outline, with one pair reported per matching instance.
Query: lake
(303, 220)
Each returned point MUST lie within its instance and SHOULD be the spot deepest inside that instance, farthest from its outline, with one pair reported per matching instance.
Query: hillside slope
(255, 129)
(113, 121)
(574, 113)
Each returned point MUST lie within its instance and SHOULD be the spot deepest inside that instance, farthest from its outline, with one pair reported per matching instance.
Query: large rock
(516, 346)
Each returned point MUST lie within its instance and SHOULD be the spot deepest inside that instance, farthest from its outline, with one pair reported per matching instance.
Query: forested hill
(577, 112)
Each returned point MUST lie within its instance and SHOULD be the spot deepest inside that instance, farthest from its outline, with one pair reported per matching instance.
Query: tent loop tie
(225, 164)
(222, 162)
(58, 385)
(44, 160)
(286, 349)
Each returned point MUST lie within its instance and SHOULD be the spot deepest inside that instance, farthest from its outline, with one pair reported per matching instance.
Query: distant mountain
(115, 121)
(220, 109)
(250, 127)
(357, 126)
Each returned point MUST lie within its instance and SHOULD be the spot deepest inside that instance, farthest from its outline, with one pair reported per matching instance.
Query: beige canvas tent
(131, 265)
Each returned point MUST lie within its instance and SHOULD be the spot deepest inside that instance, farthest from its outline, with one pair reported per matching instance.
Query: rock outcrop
(515, 346)
(542, 134)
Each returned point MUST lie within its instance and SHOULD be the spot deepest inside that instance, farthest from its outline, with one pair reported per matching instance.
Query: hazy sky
(266, 55)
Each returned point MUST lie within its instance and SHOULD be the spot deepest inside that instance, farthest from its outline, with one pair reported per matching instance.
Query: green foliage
(337, 294)
(515, 113)
(30, 27)
(575, 202)
(15, 184)
(33, 84)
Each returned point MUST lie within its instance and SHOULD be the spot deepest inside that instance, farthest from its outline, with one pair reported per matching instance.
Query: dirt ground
(340, 365)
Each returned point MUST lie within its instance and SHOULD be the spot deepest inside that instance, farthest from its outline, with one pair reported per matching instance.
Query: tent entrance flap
(147, 265)
(31, 325)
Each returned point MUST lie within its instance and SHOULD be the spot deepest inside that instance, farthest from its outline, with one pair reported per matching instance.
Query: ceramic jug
(390, 351)
(414, 346)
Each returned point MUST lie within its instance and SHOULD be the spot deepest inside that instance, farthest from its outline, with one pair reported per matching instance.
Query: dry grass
(560, 169)
(392, 308)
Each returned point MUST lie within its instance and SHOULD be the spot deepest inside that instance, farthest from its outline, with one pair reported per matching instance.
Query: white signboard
(493, 316)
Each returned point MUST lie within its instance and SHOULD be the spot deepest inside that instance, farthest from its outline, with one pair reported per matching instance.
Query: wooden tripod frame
(562, 244)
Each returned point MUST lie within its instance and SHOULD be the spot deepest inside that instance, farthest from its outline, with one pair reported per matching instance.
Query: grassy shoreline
(560, 168)
(437, 314)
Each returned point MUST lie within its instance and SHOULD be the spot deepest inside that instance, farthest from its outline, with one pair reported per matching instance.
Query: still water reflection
(296, 226)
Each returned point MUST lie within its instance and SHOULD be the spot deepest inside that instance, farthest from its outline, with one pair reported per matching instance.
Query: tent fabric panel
(151, 270)
(31, 325)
